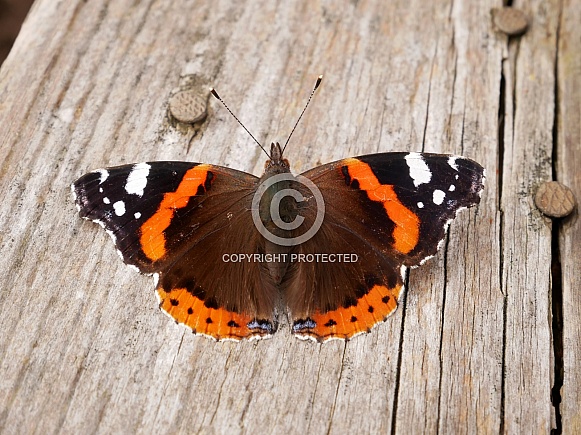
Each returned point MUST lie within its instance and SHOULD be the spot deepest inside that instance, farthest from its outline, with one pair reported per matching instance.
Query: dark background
(12, 14)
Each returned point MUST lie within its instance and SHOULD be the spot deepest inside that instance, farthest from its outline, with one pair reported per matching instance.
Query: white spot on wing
(452, 162)
(137, 179)
(137, 215)
(452, 188)
(420, 204)
(106, 200)
(419, 171)
(119, 208)
(155, 279)
(104, 174)
(438, 197)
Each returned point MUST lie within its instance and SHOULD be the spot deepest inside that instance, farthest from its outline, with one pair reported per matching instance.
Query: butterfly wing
(176, 220)
(390, 211)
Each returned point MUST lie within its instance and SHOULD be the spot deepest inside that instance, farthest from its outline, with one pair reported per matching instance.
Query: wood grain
(526, 240)
(83, 347)
(568, 138)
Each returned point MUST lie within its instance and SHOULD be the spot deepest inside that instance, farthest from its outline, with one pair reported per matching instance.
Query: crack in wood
(556, 292)
(501, 109)
(441, 346)
(403, 309)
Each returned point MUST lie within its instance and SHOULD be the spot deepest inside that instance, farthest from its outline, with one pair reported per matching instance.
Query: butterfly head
(276, 164)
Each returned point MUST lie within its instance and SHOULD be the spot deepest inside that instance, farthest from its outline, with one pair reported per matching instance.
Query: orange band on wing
(218, 323)
(152, 236)
(344, 323)
(407, 224)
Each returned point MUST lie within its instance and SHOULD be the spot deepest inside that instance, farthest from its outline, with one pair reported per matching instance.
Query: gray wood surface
(83, 346)
(526, 241)
(568, 169)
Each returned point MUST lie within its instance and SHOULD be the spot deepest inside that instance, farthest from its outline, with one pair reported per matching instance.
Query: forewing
(175, 220)
(392, 210)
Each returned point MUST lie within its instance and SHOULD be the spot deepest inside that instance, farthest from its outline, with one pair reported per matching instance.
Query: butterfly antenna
(215, 94)
(303, 112)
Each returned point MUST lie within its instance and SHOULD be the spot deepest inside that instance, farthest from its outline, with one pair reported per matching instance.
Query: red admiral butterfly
(216, 246)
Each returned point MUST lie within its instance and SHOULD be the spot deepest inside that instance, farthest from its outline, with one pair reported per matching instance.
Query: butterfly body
(196, 227)
(287, 212)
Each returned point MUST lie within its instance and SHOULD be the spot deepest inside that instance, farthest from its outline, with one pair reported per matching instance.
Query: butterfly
(231, 252)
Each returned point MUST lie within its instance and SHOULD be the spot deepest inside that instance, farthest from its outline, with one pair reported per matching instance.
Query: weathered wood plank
(451, 363)
(83, 346)
(526, 239)
(568, 166)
